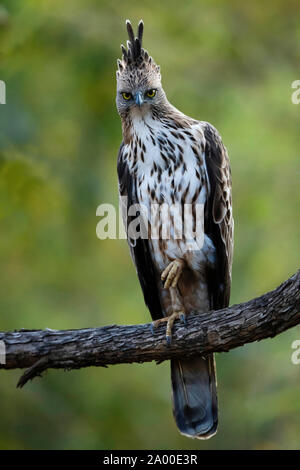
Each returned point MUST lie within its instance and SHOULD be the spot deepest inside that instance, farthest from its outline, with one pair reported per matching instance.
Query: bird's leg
(178, 312)
(171, 274)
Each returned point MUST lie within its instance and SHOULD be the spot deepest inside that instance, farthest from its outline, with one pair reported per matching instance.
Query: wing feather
(139, 249)
(218, 223)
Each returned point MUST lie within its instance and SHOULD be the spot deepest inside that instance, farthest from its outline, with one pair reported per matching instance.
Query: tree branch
(215, 331)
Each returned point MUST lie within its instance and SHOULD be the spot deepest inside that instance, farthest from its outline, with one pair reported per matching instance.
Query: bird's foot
(172, 273)
(170, 322)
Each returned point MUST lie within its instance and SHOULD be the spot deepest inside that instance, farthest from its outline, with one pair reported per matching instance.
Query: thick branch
(215, 331)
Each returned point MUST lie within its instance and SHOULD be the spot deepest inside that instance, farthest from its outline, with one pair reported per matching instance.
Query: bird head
(138, 77)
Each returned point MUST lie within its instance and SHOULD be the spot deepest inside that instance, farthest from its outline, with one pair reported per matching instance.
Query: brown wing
(218, 222)
(139, 249)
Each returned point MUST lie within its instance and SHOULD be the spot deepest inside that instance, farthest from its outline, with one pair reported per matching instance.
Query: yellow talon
(172, 273)
(170, 322)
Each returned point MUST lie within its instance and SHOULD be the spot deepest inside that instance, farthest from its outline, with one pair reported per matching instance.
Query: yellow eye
(151, 93)
(127, 96)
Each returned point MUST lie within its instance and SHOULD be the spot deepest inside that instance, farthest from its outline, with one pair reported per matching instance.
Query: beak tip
(139, 99)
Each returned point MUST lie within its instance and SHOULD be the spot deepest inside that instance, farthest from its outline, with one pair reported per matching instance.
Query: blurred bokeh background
(231, 63)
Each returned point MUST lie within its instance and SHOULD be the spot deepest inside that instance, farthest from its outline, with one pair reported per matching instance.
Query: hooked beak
(139, 99)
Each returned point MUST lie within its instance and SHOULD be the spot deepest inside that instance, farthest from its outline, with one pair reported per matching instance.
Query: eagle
(169, 159)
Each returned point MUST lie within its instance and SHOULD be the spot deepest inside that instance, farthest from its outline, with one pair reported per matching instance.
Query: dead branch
(214, 331)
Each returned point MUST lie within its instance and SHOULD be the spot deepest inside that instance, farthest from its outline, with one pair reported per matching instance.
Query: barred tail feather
(195, 405)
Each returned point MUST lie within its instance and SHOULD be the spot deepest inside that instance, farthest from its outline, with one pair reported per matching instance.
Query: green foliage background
(231, 63)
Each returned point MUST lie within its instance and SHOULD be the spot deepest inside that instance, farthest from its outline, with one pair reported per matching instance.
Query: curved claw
(170, 322)
(152, 327)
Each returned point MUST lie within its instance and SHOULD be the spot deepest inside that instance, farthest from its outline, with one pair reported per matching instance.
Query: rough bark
(214, 331)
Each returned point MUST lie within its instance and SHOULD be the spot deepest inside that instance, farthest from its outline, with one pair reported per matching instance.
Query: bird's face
(139, 87)
(140, 96)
